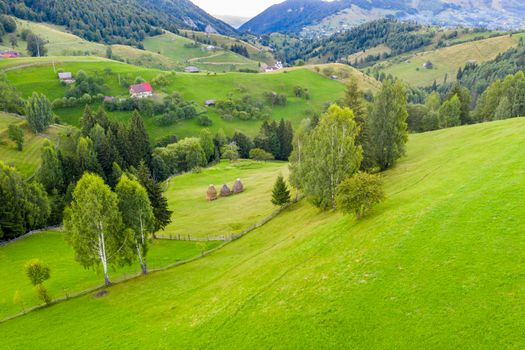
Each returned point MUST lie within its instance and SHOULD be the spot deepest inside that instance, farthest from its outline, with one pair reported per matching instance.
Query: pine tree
(50, 173)
(280, 193)
(87, 122)
(158, 201)
(138, 141)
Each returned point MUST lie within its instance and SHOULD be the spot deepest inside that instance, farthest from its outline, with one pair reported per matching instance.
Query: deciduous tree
(38, 112)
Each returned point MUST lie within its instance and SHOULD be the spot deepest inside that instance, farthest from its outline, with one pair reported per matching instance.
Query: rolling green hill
(446, 61)
(39, 75)
(438, 265)
(27, 161)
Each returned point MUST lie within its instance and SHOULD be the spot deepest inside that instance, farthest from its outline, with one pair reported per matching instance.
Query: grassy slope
(438, 265)
(67, 276)
(28, 160)
(446, 60)
(196, 87)
(226, 216)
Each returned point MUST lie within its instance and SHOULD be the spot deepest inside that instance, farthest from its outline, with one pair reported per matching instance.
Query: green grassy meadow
(67, 276)
(28, 160)
(446, 60)
(438, 265)
(42, 77)
(193, 215)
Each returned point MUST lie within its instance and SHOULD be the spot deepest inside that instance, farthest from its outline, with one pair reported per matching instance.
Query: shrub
(203, 120)
(37, 272)
(260, 155)
(360, 193)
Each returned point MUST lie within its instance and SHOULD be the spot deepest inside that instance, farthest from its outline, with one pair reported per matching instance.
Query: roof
(65, 75)
(210, 102)
(140, 88)
(192, 69)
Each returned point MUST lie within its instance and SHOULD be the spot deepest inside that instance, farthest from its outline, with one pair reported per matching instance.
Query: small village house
(9, 54)
(192, 69)
(209, 103)
(66, 77)
(141, 90)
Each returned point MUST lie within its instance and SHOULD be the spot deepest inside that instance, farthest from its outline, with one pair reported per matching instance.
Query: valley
(326, 174)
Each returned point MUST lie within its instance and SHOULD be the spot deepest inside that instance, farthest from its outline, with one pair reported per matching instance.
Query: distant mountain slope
(116, 21)
(293, 16)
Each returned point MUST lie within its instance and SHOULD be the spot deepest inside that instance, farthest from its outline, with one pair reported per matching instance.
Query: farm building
(192, 69)
(66, 77)
(141, 90)
(209, 103)
(9, 54)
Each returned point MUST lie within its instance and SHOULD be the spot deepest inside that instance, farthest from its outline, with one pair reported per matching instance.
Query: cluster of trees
(243, 108)
(275, 139)
(10, 100)
(275, 99)
(110, 227)
(86, 85)
(328, 154)
(399, 36)
(172, 109)
(7, 25)
(240, 49)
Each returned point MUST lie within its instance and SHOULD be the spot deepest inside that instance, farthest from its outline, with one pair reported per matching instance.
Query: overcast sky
(241, 8)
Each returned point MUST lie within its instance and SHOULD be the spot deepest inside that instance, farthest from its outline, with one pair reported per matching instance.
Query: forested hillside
(115, 21)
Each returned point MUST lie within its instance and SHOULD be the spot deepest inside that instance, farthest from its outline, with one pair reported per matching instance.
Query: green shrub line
(233, 238)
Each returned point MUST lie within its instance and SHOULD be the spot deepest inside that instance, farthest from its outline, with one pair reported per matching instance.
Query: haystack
(225, 191)
(211, 194)
(238, 187)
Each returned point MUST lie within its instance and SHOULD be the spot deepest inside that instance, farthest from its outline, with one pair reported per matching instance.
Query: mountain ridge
(293, 16)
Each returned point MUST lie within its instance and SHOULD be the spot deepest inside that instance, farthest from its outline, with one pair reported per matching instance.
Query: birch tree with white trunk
(137, 215)
(94, 226)
(329, 156)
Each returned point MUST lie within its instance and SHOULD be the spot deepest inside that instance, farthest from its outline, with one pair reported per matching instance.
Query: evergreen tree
(86, 157)
(50, 173)
(244, 142)
(285, 135)
(158, 201)
(139, 141)
(388, 125)
(280, 193)
(38, 112)
(465, 100)
(87, 122)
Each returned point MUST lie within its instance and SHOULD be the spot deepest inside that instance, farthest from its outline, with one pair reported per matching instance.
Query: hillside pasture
(193, 215)
(28, 160)
(437, 265)
(40, 75)
(67, 276)
(446, 61)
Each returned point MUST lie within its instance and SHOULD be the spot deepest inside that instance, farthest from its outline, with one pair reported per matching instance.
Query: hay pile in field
(225, 191)
(238, 186)
(211, 194)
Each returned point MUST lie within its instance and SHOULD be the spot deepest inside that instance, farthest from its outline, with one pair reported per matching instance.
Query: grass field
(67, 276)
(439, 265)
(180, 49)
(27, 161)
(196, 87)
(446, 60)
(229, 215)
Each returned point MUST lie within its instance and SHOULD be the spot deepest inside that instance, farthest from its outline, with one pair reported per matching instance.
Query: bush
(260, 155)
(37, 272)
(360, 193)
(203, 120)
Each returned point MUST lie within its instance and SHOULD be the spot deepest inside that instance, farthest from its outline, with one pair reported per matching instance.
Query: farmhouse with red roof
(141, 90)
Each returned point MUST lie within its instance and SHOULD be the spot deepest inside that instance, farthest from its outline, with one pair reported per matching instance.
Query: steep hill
(115, 21)
(438, 265)
(316, 17)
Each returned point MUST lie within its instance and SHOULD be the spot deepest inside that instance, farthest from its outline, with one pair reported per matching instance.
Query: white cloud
(241, 8)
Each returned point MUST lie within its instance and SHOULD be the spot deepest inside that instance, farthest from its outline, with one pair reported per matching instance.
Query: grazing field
(446, 61)
(195, 87)
(438, 265)
(187, 52)
(67, 276)
(58, 41)
(193, 215)
(27, 161)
